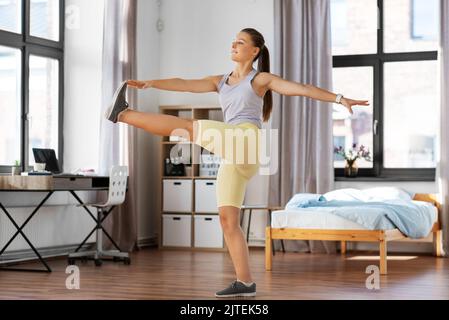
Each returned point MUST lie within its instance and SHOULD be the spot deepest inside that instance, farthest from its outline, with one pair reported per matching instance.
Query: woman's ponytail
(263, 65)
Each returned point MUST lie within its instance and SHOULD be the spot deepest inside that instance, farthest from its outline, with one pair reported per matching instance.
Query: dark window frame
(377, 61)
(30, 45)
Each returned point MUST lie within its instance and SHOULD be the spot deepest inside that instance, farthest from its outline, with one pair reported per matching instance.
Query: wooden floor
(162, 274)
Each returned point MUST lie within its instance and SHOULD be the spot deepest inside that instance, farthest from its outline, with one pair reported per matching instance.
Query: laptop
(47, 156)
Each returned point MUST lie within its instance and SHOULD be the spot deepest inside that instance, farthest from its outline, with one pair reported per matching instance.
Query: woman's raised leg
(155, 123)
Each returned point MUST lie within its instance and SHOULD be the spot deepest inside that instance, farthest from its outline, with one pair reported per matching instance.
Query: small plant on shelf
(16, 168)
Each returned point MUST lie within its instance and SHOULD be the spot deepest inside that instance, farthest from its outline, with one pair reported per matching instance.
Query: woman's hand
(349, 103)
(138, 84)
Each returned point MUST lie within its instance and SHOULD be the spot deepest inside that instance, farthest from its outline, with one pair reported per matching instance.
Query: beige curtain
(118, 142)
(303, 54)
(443, 165)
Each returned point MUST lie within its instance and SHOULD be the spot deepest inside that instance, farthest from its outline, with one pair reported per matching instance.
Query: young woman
(246, 100)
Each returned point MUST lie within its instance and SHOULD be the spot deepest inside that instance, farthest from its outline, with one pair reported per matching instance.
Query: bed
(305, 224)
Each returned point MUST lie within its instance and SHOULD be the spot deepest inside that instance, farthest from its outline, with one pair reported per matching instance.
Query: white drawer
(205, 196)
(176, 230)
(208, 233)
(177, 195)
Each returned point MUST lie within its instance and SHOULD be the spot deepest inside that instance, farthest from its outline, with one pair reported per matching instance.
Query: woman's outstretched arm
(291, 88)
(208, 84)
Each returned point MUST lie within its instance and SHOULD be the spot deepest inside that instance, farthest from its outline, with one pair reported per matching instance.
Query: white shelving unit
(189, 215)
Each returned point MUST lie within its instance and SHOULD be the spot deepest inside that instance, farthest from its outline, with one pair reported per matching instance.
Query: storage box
(177, 195)
(205, 196)
(176, 230)
(208, 233)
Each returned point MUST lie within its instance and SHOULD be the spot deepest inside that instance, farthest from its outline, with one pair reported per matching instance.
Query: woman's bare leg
(235, 240)
(155, 123)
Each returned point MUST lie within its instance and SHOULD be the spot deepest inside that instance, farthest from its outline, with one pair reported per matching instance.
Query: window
(10, 80)
(44, 20)
(358, 128)
(411, 25)
(425, 21)
(31, 79)
(354, 26)
(43, 106)
(399, 77)
(410, 115)
(11, 15)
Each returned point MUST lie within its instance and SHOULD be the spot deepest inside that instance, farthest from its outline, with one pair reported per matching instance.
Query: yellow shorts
(238, 146)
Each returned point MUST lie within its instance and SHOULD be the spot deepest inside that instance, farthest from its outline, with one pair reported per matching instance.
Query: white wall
(197, 39)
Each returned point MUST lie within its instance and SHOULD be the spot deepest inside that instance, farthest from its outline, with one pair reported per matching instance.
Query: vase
(15, 171)
(351, 170)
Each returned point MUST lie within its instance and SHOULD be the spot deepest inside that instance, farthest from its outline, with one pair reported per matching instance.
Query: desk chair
(117, 190)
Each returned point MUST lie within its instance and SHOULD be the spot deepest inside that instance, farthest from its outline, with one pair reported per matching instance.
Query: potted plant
(351, 157)
(16, 168)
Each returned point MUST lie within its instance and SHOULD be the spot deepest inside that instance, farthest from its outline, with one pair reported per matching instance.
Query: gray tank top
(239, 102)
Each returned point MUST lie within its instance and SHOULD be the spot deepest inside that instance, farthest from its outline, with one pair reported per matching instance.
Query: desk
(270, 209)
(47, 185)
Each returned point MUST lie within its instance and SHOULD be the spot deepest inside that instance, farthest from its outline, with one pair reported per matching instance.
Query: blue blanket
(412, 219)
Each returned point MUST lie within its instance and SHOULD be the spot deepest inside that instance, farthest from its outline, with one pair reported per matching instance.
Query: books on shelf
(209, 165)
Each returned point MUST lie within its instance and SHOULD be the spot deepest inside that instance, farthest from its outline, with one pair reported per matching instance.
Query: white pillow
(387, 193)
(347, 194)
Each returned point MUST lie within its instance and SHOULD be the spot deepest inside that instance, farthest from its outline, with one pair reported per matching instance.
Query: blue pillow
(302, 200)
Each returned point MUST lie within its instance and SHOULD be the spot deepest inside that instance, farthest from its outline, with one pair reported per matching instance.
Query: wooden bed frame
(381, 236)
